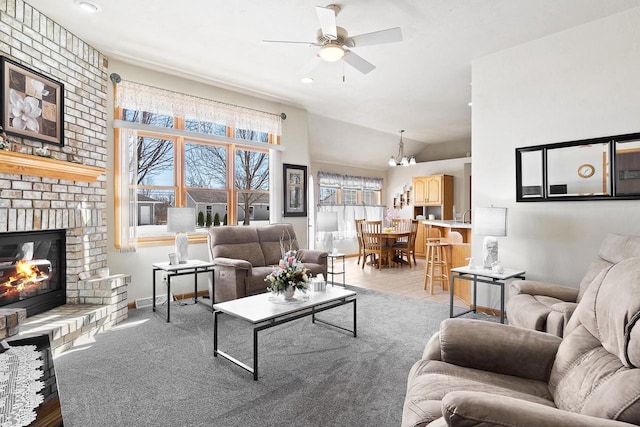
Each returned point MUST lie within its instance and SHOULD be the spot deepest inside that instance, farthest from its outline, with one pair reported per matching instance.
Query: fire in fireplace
(32, 270)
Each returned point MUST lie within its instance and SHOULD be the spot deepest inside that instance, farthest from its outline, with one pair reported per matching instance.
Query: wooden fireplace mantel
(27, 164)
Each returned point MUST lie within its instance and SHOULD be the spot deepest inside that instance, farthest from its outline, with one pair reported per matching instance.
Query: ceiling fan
(334, 42)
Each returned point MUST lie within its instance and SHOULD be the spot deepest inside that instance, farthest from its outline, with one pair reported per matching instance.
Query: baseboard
(490, 311)
(148, 301)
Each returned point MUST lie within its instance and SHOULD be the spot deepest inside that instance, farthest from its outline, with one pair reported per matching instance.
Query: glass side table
(331, 269)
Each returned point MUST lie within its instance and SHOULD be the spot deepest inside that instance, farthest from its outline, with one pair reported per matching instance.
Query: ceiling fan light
(331, 52)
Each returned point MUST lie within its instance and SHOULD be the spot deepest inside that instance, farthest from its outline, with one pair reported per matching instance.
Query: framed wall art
(295, 190)
(32, 104)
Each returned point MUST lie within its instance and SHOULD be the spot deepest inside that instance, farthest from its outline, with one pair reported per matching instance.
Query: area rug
(146, 372)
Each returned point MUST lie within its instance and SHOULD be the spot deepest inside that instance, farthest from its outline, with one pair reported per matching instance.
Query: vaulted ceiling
(421, 84)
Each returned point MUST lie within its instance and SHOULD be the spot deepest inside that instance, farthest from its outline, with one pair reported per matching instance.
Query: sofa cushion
(237, 242)
(430, 380)
(532, 311)
(270, 236)
(594, 371)
(611, 310)
(255, 284)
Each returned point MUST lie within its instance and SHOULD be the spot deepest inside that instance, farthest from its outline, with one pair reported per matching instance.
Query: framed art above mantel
(32, 104)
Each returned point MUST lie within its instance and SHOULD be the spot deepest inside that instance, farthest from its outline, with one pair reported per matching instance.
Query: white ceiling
(421, 84)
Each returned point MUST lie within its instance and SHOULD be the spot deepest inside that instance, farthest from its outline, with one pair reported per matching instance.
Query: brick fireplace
(66, 192)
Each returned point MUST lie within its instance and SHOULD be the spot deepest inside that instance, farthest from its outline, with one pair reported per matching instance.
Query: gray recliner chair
(547, 307)
(479, 373)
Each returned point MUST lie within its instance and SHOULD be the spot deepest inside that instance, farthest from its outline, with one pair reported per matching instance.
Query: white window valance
(140, 97)
(329, 179)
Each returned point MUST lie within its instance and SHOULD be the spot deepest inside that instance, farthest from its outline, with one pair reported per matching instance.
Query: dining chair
(374, 243)
(403, 225)
(359, 236)
(408, 246)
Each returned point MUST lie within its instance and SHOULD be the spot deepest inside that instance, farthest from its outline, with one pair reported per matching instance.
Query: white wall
(400, 176)
(577, 84)
(294, 139)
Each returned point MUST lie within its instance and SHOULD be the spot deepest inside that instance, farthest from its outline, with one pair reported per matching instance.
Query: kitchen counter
(447, 223)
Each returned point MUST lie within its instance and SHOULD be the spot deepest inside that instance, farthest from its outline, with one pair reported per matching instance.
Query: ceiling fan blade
(288, 41)
(327, 18)
(358, 62)
(310, 66)
(377, 37)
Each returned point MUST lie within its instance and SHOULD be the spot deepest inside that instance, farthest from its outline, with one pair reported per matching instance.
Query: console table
(481, 275)
(193, 266)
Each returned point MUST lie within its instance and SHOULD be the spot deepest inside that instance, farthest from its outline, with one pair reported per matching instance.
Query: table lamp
(491, 223)
(327, 222)
(181, 221)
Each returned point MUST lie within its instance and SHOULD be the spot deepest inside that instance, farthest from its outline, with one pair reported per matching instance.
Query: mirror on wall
(580, 170)
(594, 169)
(627, 174)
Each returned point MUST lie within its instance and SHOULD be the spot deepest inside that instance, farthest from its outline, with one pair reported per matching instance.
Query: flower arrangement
(289, 273)
(392, 213)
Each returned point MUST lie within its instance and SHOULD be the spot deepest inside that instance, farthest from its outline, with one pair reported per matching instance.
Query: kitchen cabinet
(432, 195)
(432, 190)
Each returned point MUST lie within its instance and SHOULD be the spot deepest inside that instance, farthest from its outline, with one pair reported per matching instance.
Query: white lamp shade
(490, 221)
(181, 220)
(327, 221)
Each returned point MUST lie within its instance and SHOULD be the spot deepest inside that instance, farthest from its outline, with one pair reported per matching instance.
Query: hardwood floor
(401, 281)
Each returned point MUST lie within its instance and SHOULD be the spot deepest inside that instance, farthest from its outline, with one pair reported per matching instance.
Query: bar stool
(436, 257)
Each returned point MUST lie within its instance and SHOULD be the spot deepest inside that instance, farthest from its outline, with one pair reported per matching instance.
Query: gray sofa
(479, 373)
(547, 307)
(244, 255)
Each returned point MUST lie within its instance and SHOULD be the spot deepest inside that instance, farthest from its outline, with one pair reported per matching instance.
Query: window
(371, 197)
(222, 172)
(336, 189)
(252, 185)
(328, 195)
(351, 197)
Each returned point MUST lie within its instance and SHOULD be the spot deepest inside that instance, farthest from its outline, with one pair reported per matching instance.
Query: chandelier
(401, 159)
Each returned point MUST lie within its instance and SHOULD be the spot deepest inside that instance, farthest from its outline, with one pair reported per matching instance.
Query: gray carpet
(147, 372)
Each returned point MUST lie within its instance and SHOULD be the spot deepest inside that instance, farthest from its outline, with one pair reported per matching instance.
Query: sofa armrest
(559, 316)
(315, 257)
(236, 263)
(498, 348)
(475, 408)
(532, 287)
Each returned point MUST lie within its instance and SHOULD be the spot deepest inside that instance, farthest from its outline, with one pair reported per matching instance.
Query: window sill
(27, 164)
(144, 242)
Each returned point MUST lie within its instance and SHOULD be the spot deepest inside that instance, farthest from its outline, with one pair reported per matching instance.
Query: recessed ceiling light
(306, 80)
(87, 6)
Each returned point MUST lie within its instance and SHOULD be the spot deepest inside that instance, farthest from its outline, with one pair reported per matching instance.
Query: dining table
(392, 236)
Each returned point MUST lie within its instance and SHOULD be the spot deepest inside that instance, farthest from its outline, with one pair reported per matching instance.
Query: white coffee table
(263, 313)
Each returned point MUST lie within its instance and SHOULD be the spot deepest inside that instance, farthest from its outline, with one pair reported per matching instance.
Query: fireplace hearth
(32, 270)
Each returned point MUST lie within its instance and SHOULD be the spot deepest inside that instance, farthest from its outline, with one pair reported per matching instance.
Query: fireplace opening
(32, 270)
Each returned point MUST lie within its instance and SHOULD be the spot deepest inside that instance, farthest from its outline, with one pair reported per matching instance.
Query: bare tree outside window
(252, 173)
(206, 166)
